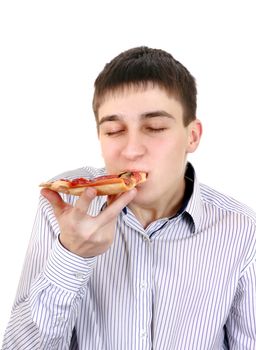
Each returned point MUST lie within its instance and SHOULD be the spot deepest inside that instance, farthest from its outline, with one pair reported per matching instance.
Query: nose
(133, 147)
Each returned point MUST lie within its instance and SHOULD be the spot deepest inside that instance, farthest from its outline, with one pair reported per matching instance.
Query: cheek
(169, 147)
(170, 155)
(108, 149)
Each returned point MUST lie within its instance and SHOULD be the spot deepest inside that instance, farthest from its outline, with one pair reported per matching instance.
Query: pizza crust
(106, 187)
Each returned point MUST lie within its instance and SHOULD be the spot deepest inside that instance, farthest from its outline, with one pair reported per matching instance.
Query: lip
(135, 170)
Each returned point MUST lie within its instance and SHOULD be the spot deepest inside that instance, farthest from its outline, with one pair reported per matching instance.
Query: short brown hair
(142, 65)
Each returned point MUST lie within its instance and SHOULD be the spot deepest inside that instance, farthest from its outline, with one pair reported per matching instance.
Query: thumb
(55, 200)
(116, 206)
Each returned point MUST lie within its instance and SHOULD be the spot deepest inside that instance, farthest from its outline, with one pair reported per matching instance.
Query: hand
(81, 233)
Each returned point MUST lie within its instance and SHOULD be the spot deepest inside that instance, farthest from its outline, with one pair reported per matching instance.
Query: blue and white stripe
(188, 283)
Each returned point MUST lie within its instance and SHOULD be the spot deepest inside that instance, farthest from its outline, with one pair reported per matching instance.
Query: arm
(54, 278)
(43, 300)
(241, 324)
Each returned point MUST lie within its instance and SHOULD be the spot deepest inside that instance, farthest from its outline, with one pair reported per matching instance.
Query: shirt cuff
(67, 270)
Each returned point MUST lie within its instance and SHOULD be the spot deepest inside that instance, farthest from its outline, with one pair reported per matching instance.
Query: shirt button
(80, 276)
(143, 285)
(61, 319)
(143, 334)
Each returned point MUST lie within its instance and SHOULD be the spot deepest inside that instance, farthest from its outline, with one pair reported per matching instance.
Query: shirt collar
(192, 202)
(194, 205)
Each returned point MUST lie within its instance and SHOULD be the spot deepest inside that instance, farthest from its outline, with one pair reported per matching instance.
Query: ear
(194, 135)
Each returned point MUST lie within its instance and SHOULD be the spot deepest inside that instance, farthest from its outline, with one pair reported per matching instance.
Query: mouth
(134, 171)
(139, 176)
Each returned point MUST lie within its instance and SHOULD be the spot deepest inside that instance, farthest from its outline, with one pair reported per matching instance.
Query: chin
(142, 198)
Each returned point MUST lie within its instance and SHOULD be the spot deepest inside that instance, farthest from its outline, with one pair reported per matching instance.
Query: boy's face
(142, 129)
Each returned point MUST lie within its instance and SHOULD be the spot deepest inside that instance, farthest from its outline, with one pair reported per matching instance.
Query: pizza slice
(105, 185)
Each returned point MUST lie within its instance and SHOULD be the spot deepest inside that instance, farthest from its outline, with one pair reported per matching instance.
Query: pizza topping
(81, 181)
(106, 184)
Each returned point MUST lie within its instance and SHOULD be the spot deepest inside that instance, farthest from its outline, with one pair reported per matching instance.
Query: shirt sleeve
(51, 287)
(241, 324)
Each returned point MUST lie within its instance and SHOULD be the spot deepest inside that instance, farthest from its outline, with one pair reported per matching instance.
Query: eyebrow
(146, 115)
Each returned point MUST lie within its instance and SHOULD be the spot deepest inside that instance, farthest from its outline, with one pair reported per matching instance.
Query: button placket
(144, 295)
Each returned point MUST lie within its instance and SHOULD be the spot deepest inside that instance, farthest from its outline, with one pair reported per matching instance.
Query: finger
(55, 200)
(115, 207)
(85, 199)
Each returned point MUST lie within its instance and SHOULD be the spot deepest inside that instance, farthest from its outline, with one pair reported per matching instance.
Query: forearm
(45, 317)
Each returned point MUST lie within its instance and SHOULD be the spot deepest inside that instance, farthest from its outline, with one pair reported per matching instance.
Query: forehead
(138, 100)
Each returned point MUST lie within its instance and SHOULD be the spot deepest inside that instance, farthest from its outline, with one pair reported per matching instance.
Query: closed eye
(156, 129)
(113, 133)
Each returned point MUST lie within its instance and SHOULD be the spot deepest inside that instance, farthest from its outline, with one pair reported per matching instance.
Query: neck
(167, 206)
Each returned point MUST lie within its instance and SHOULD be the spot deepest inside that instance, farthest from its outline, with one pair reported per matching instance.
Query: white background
(51, 52)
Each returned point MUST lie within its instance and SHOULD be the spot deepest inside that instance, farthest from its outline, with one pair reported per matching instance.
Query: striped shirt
(187, 282)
